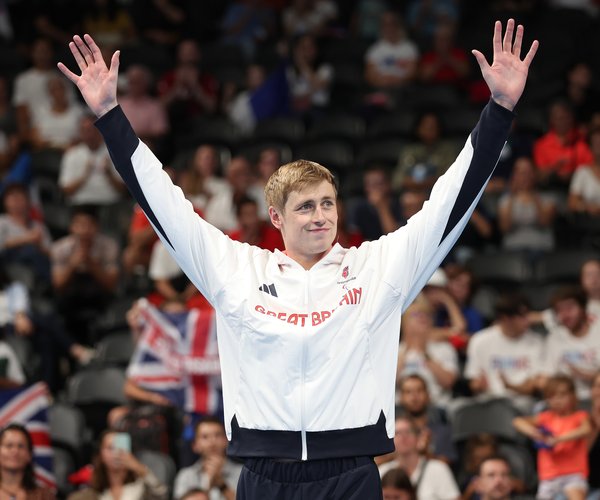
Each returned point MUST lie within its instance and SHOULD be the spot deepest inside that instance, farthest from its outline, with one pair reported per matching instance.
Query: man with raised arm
(308, 338)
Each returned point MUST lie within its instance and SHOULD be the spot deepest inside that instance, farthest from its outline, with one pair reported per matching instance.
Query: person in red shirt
(562, 149)
(560, 435)
(252, 229)
(445, 63)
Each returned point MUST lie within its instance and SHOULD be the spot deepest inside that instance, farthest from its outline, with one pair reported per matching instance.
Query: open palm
(507, 75)
(97, 83)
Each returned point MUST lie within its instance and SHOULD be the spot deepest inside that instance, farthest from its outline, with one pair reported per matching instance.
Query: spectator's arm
(137, 393)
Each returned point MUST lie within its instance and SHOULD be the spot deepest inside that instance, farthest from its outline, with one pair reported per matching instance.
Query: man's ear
(275, 217)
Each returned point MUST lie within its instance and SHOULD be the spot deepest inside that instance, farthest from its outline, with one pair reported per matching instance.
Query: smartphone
(122, 441)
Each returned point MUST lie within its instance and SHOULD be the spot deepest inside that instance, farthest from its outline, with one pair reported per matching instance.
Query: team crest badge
(345, 272)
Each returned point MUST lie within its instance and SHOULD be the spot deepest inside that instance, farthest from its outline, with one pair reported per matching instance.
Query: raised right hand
(97, 83)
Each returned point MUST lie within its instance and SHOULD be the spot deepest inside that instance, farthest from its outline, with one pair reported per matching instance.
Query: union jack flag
(29, 406)
(177, 357)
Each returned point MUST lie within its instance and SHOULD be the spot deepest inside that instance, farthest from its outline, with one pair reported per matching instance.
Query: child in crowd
(560, 435)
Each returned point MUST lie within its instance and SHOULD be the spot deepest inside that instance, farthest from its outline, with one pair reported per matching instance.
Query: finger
(508, 35)
(96, 54)
(531, 54)
(77, 55)
(497, 37)
(84, 49)
(518, 41)
(114, 62)
(68, 73)
(483, 64)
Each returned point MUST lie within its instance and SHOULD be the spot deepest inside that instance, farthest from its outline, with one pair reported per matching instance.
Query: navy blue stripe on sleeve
(122, 142)
(488, 138)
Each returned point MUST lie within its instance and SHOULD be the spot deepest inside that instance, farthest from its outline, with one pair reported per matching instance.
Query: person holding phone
(119, 475)
(308, 339)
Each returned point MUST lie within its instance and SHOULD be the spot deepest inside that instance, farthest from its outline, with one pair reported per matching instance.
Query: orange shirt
(549, 149)
(569, 457)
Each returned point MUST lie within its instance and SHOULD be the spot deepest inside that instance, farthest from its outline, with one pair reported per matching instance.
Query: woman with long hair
(119, 475)
(17, 479)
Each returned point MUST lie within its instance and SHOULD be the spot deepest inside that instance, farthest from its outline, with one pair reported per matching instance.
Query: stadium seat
(210, 130)
(335, 155)
(161, 465)
(115, 349)
(67, 429)
(393, 125)
(562, 266)
(284, 129)
(63, 465)
(383, 152)
(504, 270)
(344, 126)
(252, 151)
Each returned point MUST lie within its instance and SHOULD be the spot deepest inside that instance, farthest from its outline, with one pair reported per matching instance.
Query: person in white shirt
(505, 359)
(87, 174)
(11, 373)
(573, 347)
(584, 190)
(435, 361)
(432, 478)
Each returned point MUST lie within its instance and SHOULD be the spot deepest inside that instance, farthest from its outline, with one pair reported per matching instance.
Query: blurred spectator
(17, 474)
(170, 282)
(445, 63)
(505, 359)
(195, 494)
(213, 472)
(15, 160)
(378, 212)
(246, 24)
(559, 434)
(431, 478)
(580, 92)
(391, 62)
(220, 208)
(237, 102)
(427, 157)
(11, 372)
(269, 160)
(185, 91)
(477, 449)
(478, 235)
(594, 440)
(347, 236)
(424, 17)
(396, 485)
(44, 330)
(199, 181)
(56, 20)
(118, 474)
(562, 149)
(309, 79)
(584, 190)
(85, 273)
(109, 23)
(140, 240)
(308, 17)
(411, 202)
(434, 430)
(87, 174)
(30, 91)
(461, 286)
(526, 215)
(435, 361)
(254, 230)
(493, 479)
(145, 112)
(573, 347)
(56, 124)
(24, 240)
(159, 22)
(366, 18)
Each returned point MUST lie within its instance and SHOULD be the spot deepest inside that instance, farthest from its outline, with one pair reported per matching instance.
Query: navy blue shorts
(329, 479)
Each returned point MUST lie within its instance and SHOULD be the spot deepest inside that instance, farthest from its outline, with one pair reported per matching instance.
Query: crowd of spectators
(225, 92)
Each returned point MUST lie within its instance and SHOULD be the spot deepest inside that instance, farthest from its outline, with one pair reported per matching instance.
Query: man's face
(570, 314)
(391, 493)
(210, 439)
(413, 396)
(494, 480)
(84, 227)
(405, 439)
(308, 222)
(248, 218)
(590, 274)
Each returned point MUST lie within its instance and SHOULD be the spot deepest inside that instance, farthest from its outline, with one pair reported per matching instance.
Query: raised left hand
(507, 75)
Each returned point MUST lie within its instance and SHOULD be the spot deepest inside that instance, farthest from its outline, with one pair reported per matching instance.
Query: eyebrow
(312, 200)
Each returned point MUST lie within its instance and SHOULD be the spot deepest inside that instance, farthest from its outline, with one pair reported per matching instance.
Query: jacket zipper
(302, 380)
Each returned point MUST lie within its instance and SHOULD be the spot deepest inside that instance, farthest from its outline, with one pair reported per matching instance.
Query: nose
(319, 216)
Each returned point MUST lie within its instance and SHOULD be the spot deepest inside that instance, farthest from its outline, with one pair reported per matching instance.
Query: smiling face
(308, 222)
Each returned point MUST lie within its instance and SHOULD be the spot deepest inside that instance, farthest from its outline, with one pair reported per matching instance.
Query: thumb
(483, 64)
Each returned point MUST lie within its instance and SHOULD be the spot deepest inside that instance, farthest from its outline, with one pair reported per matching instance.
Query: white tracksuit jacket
(309, 358)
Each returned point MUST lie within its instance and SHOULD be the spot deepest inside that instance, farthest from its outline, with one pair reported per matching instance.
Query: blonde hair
(294, 176)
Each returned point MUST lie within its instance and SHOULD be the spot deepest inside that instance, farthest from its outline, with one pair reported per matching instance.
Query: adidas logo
(269, 289)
